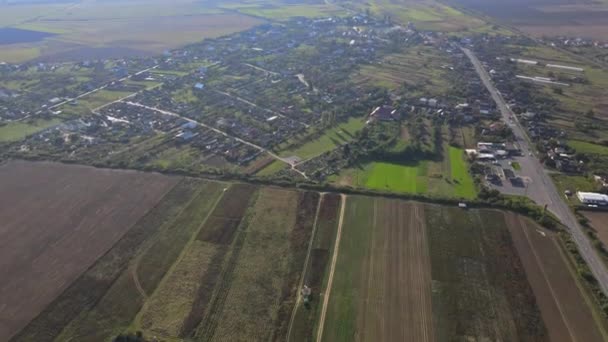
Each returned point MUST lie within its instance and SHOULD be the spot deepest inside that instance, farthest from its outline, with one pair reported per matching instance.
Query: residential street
(540, 186)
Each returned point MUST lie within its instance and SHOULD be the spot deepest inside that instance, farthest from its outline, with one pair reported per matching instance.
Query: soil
(57, 220)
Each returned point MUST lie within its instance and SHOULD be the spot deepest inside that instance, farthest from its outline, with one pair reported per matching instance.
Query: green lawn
(331, 139)
(574, 184)
(461, 179)
(589, 148)
(15, 131)
(447, 178)
(398, 178)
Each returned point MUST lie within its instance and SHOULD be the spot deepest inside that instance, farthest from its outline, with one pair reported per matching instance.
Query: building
(384, 113)
(592, 198)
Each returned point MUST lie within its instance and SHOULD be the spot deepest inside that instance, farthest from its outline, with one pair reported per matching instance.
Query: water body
(9, 35)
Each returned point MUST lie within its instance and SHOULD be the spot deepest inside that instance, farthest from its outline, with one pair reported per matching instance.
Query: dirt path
(303, 275)
(140, 289)
(332, 269)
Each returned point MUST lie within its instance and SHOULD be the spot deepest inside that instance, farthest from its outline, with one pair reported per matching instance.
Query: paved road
(541, 188)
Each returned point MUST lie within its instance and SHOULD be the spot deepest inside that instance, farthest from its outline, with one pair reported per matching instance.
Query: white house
(592, 198)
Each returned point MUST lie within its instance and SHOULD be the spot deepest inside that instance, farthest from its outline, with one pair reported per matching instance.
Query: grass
(588, 148)
(283, 12)
(272, 168)
(446, 178)
(480, 289)
(460, 177)
(15, 131)
(316, 275)
(574, 184)
(251, 292)
(420, 65)
(329, 140)
(355, 244)
(516, 166)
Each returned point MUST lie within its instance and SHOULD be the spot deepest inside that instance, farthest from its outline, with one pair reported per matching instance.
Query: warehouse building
(592, 198)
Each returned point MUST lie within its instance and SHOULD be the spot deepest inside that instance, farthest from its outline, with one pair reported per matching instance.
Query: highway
(541, 187)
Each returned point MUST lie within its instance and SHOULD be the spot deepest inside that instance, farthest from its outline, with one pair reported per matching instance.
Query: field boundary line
(306, 260)
(522, 226)
(334, 259)
(179, 258)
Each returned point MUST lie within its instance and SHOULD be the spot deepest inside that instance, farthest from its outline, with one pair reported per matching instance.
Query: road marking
(331, 270)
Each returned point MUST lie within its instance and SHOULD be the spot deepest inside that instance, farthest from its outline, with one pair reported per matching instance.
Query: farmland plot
(413, 272)
(57, 220)
(382, 287)
(256, 288)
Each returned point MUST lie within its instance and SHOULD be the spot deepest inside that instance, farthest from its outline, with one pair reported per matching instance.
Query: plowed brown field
(565, 311)
(56, 220)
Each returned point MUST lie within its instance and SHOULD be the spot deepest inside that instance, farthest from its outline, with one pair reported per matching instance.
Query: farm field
(420, 65)
(547, 18)
(588, 148)
(574, 184)
(57, 223)
(86, 30)
(599, 222)
(15, 131)
(449, 177)
(439, 273)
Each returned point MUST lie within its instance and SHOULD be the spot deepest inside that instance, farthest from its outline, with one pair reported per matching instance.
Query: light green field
(282, 12)
(272, 168)
(331, 139)
(589, 148)
(447, 178)
(574, 184)
(18, 130)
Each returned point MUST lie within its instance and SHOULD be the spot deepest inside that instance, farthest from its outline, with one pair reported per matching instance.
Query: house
(592, 198)
(199, 86)
(384, 113)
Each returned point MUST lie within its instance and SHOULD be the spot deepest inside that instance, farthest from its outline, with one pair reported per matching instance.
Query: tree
(590, 114)
(558, 91)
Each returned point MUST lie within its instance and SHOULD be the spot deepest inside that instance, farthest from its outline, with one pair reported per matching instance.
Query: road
(260, 148)
(541, 188)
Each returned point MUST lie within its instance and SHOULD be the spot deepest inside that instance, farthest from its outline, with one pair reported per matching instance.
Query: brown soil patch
(227, 216)
(396, 298)
(563, 308)
(599, 222)
(57, 220)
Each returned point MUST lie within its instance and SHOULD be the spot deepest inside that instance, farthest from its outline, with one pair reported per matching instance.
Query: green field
(588, 148)
(574, 184)
(329, 140)
(447, 178)
(15, 131)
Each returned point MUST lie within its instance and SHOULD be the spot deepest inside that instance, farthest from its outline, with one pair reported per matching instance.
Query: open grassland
(92, 29)
(446, 178)
(306, 315)
(413, 272)
(328, 140)
(117, 308)
(15, 131)
(422, 66)
(56, 223)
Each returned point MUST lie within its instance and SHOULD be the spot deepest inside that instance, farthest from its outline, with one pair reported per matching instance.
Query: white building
(592, 198)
